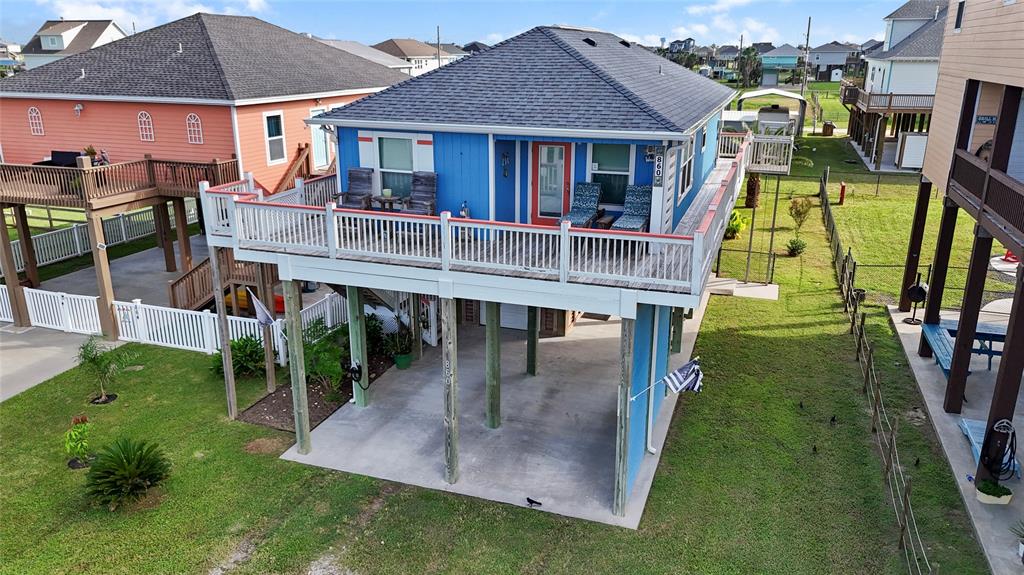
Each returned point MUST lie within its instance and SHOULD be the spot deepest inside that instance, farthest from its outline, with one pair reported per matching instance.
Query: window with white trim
(35, 122)
(273, 129)
(610, 166)
(703, 138)
(685, 170)
(194, 129)
(146, 127)
(958, 23)
(396, 165)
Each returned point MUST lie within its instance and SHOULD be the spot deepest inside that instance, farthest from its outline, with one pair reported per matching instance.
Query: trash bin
(827, 128)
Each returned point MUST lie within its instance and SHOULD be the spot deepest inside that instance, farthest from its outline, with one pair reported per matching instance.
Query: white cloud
(143, 14)
(758, 31)
(718, 6)
(645, 39)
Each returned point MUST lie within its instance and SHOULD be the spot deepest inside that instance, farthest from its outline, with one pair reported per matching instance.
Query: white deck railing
(766, 153)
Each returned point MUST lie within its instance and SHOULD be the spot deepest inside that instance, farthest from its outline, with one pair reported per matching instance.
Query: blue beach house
(563, 169)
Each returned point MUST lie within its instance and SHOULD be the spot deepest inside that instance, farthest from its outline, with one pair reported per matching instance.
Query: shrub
(102, 363)
(246, 357)
(376, 341)
(993, 488)
(736, 224)
(802, 161)
(799, 209)
(327, 356)
(795, 247)
(124, 471)
(76, 438)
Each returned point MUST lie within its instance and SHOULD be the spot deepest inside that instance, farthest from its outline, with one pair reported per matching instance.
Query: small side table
(604, 222)
(387, 203)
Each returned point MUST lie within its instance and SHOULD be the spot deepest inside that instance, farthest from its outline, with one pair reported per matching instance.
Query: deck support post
(677, 330)
(532, 338)
(224, 333)
(450, 371)
(415, 311)
(1007, 386)
(162, 225)
(297, 363)
(493, 361)
(181, 228)
(880, 142)
(940, 265)
(973, 291)
(265, 292)
(622, 429)
(924, 194)
(19, 307)
(357, 345)
(28, 248)
(104, 285)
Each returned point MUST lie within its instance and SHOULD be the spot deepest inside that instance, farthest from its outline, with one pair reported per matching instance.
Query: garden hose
(1003, 468)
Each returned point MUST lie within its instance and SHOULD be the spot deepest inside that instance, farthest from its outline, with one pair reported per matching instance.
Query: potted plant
(1018, 530)
(386, 192)
(989, 491)
(401, 347)
(76, 442)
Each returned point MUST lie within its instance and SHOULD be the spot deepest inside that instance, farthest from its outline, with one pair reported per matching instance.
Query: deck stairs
(194, 289)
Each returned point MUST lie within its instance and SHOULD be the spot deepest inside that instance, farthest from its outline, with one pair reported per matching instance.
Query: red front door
(549, 186)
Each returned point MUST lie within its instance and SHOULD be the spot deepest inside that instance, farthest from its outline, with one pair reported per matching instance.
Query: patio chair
(360, 188)
(422, 199)
(636, 214)
(584, 205)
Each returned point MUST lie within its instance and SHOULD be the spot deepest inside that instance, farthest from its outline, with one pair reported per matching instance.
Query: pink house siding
(114, 127)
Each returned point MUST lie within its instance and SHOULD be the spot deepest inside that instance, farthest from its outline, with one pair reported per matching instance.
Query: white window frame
(419, 163)
(35, 122)
(194, 128)
(685, 171)
(591, 171)
(703, 138)
(147, 133)
(376, 152)
(961, 11)
(266, 138)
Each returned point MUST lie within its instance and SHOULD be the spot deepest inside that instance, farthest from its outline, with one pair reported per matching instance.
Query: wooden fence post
(904, 511)
(868, 365)
(876, 400)
(889, 455)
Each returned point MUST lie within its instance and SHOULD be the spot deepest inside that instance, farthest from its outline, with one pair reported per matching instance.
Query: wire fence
(884, 428)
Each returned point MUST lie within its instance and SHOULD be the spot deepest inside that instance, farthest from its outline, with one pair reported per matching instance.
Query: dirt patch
(240, 555)
(915, 416)
(370, 510)
(151, 500)
(327, 565)
(268, 445)
(275, 410)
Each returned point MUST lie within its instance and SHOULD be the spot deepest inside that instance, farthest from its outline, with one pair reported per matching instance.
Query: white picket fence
(5, 305)
(73, 241)
(63, 311)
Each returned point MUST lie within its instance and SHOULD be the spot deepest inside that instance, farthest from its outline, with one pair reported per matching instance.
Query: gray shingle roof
(925, 43)
(784, 50)
(82, 41)
(552, 78)
(221, 58)
(364, 51)
(917, 10)
(408, 48)
(835, 46)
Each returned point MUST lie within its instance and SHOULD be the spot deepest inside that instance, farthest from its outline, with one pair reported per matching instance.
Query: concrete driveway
(30, 356)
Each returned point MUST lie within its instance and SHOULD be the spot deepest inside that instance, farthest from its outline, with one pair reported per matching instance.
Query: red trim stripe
(425, 142)
(365, 139)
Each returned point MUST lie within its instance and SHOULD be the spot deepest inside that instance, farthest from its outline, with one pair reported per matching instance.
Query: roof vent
(83, 74)
(660, 72)
(590, 41)
(936, 17)
(180, 48)
(625, 43)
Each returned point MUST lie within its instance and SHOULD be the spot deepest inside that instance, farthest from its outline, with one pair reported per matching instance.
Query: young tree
(799, 209)
(103, 365)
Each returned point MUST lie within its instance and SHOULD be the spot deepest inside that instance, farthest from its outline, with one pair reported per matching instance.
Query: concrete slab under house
(521, 197)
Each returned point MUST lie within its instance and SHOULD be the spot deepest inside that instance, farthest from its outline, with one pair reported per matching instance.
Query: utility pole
(438, 46)
(807, 55)
(743, 64)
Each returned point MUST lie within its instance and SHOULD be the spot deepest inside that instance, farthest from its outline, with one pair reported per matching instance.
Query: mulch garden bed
(275, 410)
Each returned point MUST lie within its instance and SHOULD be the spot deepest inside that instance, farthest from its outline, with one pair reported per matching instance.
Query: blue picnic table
(986, 334)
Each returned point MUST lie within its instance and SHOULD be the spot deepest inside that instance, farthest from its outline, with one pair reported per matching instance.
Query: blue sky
(707, 21)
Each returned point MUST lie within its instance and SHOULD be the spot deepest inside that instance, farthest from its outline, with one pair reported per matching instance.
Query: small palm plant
(103, 366)
(124, 471)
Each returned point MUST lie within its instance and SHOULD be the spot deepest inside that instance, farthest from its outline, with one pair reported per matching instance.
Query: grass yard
(44, 219)
(739, 488)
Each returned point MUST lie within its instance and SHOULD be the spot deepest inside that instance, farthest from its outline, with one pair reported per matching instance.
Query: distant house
(834, 56)
(185, 91)
(371, 54)
(870, 45)
(681, 46)
(763, 47)
(475, 47)
(421, 55)
(9, 49)
(727, 53)
(454, 50)
(774, 63)
(58, 39)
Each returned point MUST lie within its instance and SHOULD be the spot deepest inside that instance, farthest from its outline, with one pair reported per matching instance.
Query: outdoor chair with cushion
(422, 198)
(584, 205)
(360, 188)
(636, 213)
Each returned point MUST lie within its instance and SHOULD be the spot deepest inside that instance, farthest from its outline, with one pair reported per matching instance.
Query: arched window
(194, 127)
(35, 121)
(146, 127)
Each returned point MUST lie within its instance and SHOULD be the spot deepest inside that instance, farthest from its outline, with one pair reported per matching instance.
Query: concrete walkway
(991, 522)
(30, 356)
(556, 443)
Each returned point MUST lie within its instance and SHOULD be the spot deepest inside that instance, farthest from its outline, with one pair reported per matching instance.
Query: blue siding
(711, 152)
(524, 182)
(703, 161)
(581, 158)
(348, 153)
(461, 163)
(661, 348)
(637, 440)
(505, 181)
(643, 171)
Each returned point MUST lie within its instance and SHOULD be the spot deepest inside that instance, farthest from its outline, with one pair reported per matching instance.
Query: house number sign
(659, 165)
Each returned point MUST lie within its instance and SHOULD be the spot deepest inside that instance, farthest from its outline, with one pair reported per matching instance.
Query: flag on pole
(262, 313)
(689, 377)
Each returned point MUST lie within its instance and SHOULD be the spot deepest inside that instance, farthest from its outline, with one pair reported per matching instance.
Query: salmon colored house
(203, 87)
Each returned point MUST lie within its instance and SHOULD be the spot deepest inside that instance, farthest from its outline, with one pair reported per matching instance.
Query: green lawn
(739, 488)
(41, 220)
